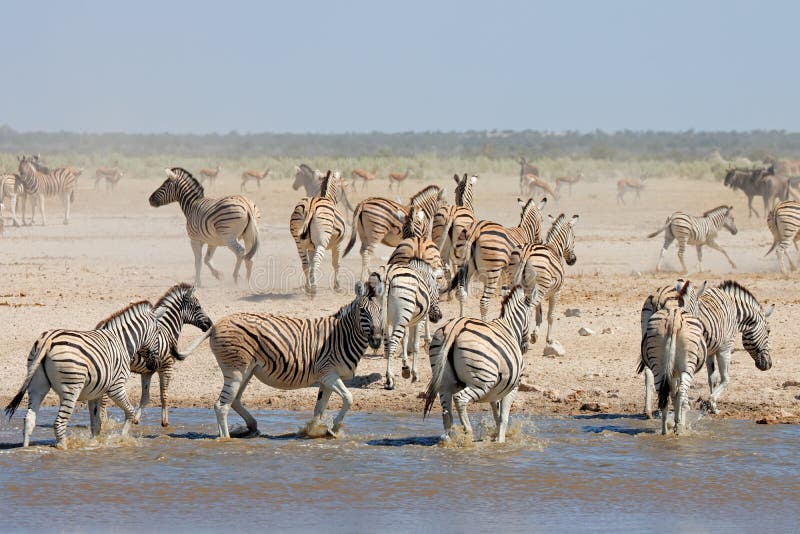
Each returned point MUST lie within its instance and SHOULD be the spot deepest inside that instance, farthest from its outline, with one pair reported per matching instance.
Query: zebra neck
(347, 333)
(170, 324)
(187, 195)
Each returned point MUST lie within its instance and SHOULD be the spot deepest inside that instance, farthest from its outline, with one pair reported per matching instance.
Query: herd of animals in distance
(438, 247)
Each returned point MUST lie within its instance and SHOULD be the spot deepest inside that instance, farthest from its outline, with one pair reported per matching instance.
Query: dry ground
(118, 249)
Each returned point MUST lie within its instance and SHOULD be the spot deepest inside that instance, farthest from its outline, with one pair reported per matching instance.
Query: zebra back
(136, 327)
(428, 200)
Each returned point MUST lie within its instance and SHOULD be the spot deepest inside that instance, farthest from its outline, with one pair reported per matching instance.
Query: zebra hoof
(406, 372)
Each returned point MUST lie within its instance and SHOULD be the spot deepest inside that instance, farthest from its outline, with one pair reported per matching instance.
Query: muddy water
(387, 473)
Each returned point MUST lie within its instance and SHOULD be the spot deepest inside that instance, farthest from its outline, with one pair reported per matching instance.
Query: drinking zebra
(486, 250)
(477, 361)
(317, 225)
(378, 220)
(724, 311)
(211, 222)
(697, 231)
(542, 267)
(87, 365)
(784, 222)
(411, 297)
(290, 353)
(451, 221)
(39, 182)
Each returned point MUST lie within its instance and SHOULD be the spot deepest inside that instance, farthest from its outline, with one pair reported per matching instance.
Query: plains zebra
(415, 243)
(39, 183)
(307, 178)
(10, 188)
(209, 174)
(411, 296)
(212, 222)
(87, 365)
(317, 225)
(451, 221)
(628, 184)
(252, 175)
(291, 353)
(697, 231)
(377, 220)
(479, 361)
(486, 250)
(784, 222)
(542, 267)
(569, 180)
(673, 348)
(180, 307)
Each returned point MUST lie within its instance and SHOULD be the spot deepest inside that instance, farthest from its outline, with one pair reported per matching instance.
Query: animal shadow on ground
(363, 381)
(619, 429)
(423, 441)
(262, 297)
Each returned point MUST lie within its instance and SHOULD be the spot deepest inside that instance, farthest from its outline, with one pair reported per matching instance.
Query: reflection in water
(389, 473)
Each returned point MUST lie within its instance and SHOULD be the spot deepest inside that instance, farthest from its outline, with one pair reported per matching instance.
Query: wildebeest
(765, 183)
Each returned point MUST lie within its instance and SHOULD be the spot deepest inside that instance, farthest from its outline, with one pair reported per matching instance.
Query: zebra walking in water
(290, 353)
(451, 221)
(486, 250)
(317, 225)
(87, 365)
(377, 220)
(211, 222)
(542, 267)
(39, 182)
(697, 231)
(478, 361)
(784, 222)
(411, 296)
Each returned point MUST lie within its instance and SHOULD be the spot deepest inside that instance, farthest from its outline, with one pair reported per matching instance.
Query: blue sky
(359, 66)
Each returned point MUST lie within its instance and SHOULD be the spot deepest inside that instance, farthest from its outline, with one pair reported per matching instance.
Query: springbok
(525, 168)
(630, 184)
(533, 182)
(397, 178)
(209, 174)
(250, 175)
(569, 180)
(364, 176)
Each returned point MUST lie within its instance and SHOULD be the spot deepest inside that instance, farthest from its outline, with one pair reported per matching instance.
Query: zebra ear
(543, 202)
(551, 218)
(420, 215)
(159, 312)
(521, 202)
(702, 289)
(769, 310)
(474, 179)
(574, 220)
(455, 179)
(170, 173)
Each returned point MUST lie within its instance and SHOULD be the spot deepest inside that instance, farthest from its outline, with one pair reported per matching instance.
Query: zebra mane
(136, 307)
(733, 286)
(186, 177)
(307, 169)
(345, 310)
(555, 228)
(429, 192)
(717, 209)
(178, 289)
(325, 183)
(507, 302)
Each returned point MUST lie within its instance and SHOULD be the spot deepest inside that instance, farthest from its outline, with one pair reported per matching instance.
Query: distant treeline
(624, 145)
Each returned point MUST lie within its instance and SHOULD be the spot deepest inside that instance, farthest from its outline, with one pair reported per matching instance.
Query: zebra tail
(352, 241)
(306, 222)
(445, 234)
(460, 277)
(669, 368)
(658, 231)
(182, 355)
(437, 373)
(252, 228)
(39, 351)
(772, 222)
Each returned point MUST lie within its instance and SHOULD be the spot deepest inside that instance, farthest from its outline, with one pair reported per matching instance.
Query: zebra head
(755, 337)
(561, 237)
(181, 299)
(728, 221)
(370, 306)
(179, 184)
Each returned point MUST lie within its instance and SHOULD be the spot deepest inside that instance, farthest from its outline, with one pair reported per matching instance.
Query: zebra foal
(87, 365)
(211, 222)
(291, 353)
(697, 231)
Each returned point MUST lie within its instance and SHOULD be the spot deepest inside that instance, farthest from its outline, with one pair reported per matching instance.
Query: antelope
(209, 174)
(365, 177)
(525, 168)
(569, 180)
(249, 175)
(533, 182)
(626, 184)
(397, 178)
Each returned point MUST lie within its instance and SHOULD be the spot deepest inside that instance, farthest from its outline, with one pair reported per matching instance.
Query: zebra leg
(238, 251)
(234, 378)
(41, 209)
(238, 407)
(700, 258)
(119, 395)
(505, 410)
(664, 413)
(551, 308)
(197, 248)
(715, 246)
(723, 362)
(648, 393)
(446, 399)
(489, 289)
(334, 382)
(683, 403)
(316, 262)
(390, 345)
(323, 396)
(412, 344)
(164, 378)
(37, 390)
(535, 331)
(495, 406)
(216, 273)
(335, 263)
(95, 423)
(427, 335)
(366, 254)
(145, 400)
(65, 202)
(13, 205)
(681, 250)
(461, 399)
(68, 399)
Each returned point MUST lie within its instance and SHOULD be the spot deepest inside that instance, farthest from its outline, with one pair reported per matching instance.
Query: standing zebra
(39, 182)
(451, 221)
(317, 225)
(696, 231)
(377, 220)
(86, 366)
(486, 250)
(212, 222)
(784, 222)
(180, 307)
(673, 348)
(415, 244)
(10, 188)
(541, 267)
(291, 353)
(479, 361)
(411, 296)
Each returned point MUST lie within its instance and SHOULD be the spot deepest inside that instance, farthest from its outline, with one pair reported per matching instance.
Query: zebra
(784, 222)
(317, 225)
(674, 349)
(479, 361)
(180, 307)
(415, 244)
(542, 267)
(378, 220)
(311, 180)
(87, 365)
(486, 250)
(39, 182)
(10, 188)
(211, 222)
(411, 296)
(450, 221)
(290, 353)
(697, 231)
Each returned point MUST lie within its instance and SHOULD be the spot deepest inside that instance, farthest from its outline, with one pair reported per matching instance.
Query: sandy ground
(118, 249)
